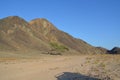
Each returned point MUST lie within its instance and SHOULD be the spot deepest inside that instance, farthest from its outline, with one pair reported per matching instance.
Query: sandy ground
(61, 68)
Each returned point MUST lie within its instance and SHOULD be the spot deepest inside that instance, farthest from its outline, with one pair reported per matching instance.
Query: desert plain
(61, 67)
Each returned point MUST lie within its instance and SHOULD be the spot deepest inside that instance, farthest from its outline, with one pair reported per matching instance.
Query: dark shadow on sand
(74, 76)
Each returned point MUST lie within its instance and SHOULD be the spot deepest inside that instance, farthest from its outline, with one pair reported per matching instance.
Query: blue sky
(94, 21)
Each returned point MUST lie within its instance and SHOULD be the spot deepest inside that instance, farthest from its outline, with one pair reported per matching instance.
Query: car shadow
(74, 76)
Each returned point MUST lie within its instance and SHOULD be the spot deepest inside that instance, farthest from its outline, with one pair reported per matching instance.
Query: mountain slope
(16, 34)
(115, 50)
(54, 35)
(39, 34)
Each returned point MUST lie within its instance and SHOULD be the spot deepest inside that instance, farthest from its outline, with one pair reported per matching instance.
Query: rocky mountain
(115, 50)
(16, 34)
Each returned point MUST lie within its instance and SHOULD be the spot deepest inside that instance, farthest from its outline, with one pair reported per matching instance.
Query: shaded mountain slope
(41, 35)
(115, 50)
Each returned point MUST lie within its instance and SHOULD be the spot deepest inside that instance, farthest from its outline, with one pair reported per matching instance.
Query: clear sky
(94, 21)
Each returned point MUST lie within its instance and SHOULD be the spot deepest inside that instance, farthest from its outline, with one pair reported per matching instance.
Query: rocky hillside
(115, 50)
(16, 34)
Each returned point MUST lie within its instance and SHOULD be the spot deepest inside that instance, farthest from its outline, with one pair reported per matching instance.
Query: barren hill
(115, 50)
(16, 34)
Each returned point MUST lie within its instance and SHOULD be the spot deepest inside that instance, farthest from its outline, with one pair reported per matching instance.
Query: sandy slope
(59, 68)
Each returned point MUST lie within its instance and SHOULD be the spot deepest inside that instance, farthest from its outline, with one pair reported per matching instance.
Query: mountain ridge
(40, 34)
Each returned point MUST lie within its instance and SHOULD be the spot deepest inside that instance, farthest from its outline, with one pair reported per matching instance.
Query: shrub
(59, 47)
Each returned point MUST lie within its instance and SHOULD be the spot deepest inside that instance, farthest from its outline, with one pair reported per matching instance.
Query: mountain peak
(43, 23)
(12, 23)
(40, 19)
(115, 50)
(14, 19)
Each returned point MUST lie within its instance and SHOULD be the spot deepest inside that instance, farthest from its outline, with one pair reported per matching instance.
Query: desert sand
(77, 67)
